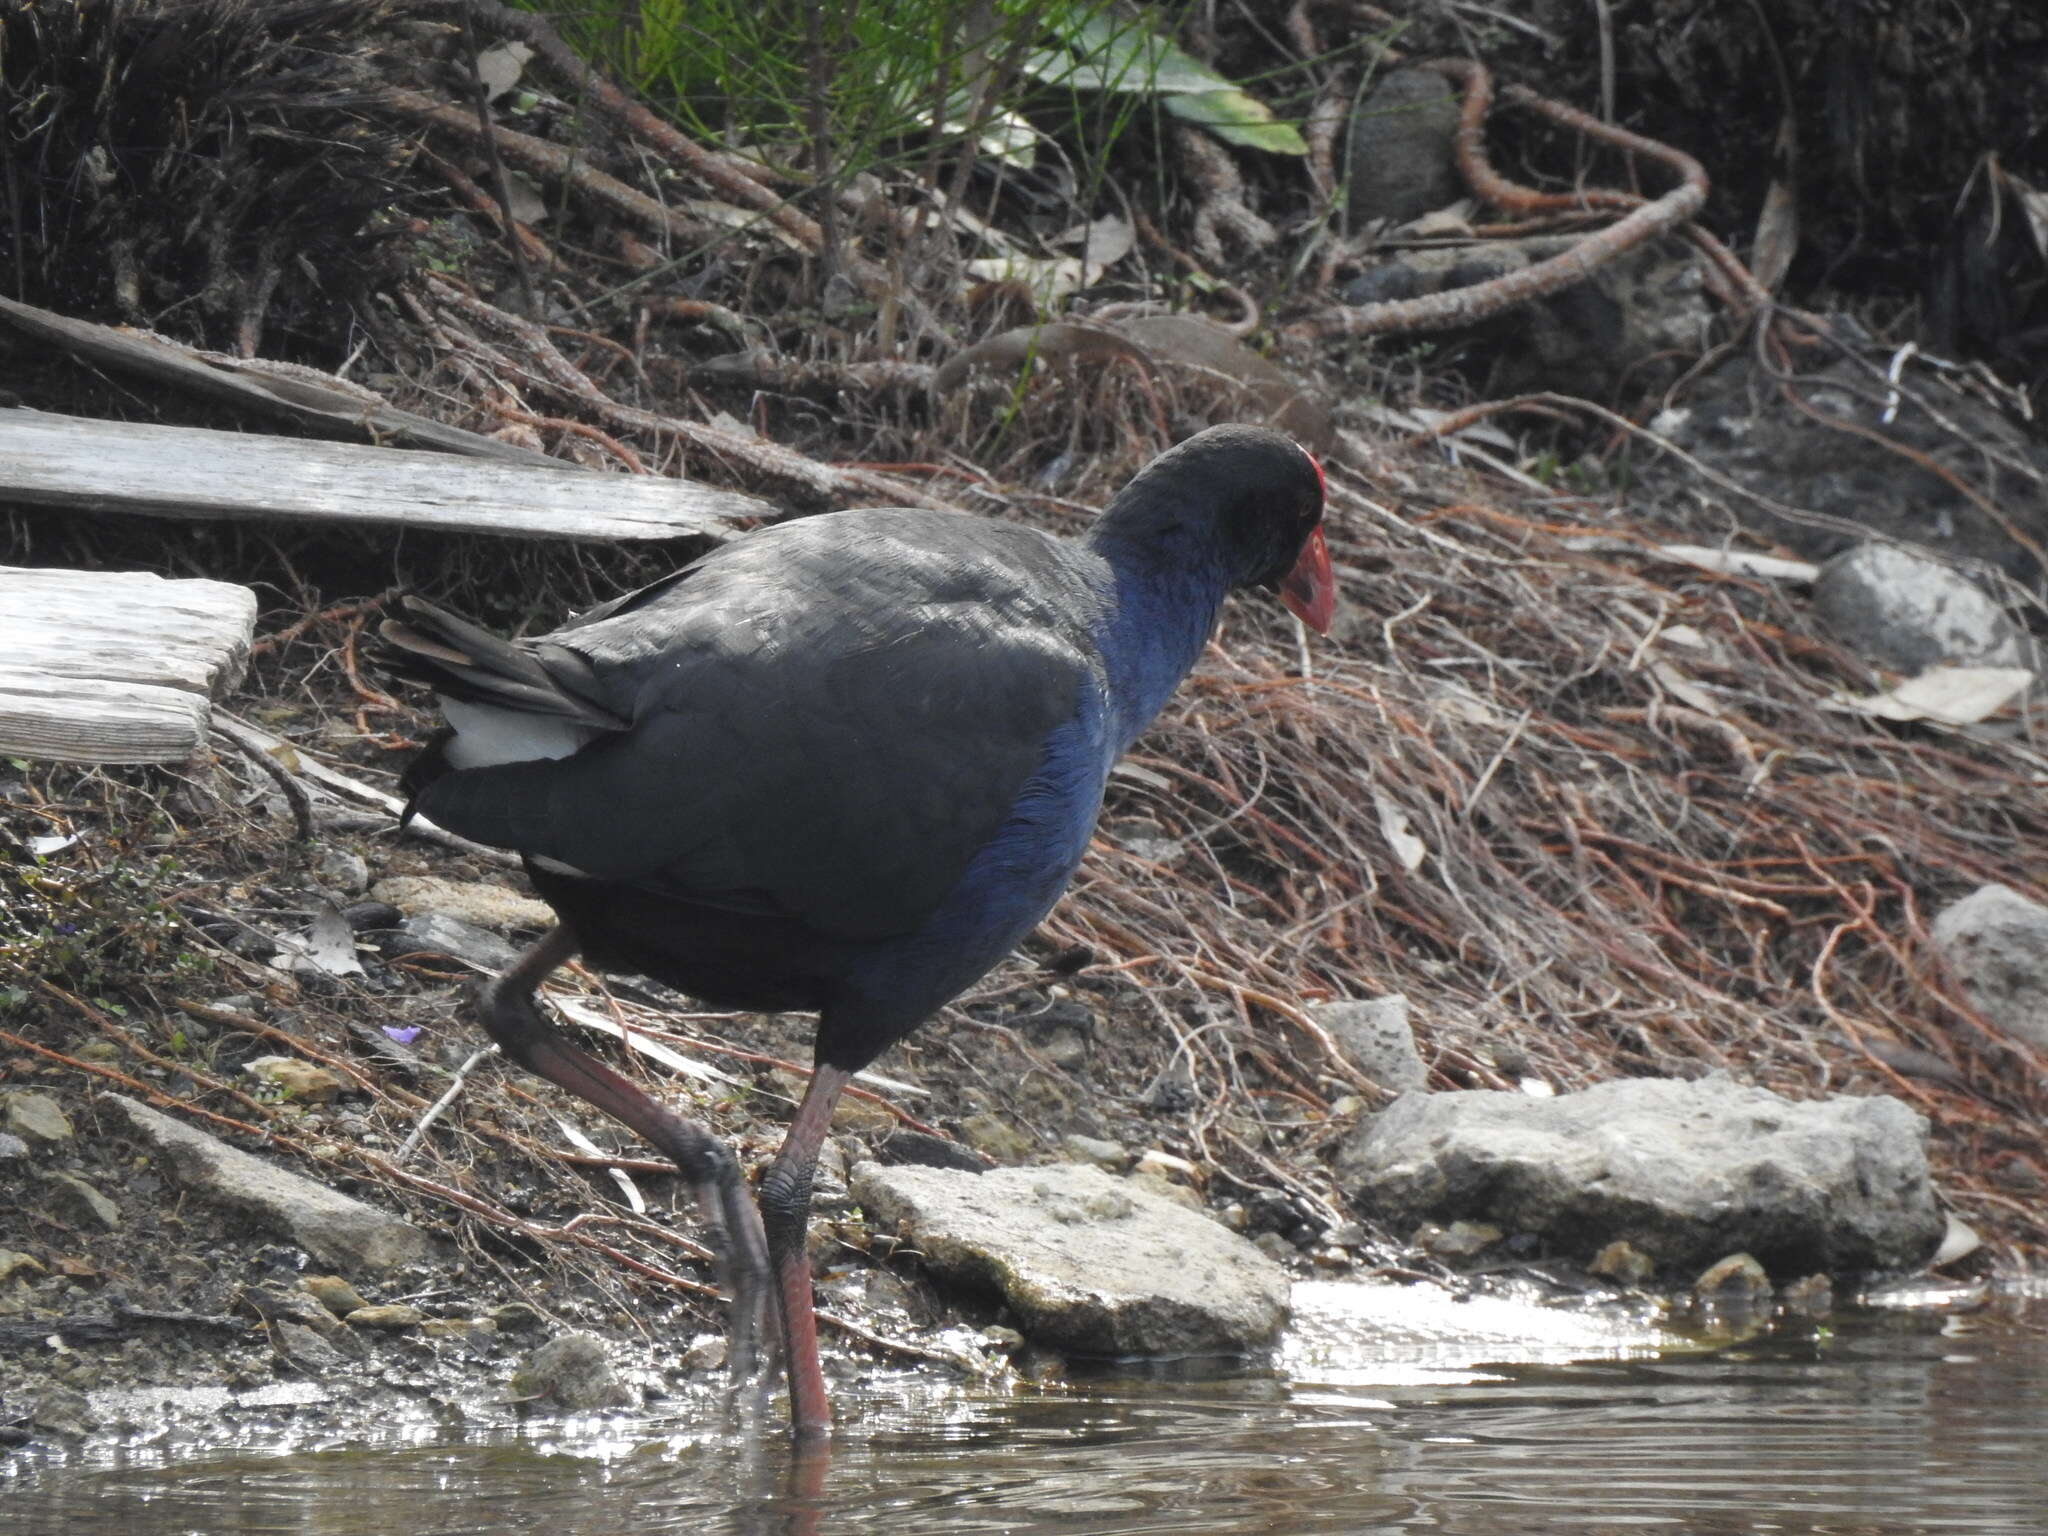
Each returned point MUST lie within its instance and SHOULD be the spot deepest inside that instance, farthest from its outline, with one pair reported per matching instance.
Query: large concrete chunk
(1090, 1264)
(342, 1233)
(1686, 1172)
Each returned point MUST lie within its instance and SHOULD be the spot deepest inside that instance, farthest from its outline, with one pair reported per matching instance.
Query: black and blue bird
(842, 765)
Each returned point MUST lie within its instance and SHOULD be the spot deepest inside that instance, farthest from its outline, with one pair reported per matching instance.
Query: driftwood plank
(312, 400)
(189, 472)
(115, 667)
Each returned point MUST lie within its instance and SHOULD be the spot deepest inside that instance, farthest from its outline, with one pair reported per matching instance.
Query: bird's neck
(1169, 586)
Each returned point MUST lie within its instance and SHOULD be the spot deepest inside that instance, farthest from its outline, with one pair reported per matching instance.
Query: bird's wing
(826, 721)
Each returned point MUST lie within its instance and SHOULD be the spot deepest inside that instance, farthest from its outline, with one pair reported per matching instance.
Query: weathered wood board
(115, 667)
(192, 472)
(313, 401)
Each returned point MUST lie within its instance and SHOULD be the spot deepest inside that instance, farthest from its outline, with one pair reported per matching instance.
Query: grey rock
(1106, 1155)
(305, 1348)
(514, 1317)
(338, 869)
(1686, 1172)
(572, 1372)
(1737, 1278)
(1908, 611)
(995, 1138)
(392, 1317)
(1997, 941)
(1459, 1240)
(437, 933)
(35, 1117)
(1090, 1264)
(1377, 1039)
(302, 1308)
(64, 1411)
(335, 1294)
(362, 916)
(1623, 1263)
(76, 1201)
(1402, 162)
(12, 1148)
(1064, 1048)
(469, 901)
(915, 1147)
(707, 1352)
(342, 1233)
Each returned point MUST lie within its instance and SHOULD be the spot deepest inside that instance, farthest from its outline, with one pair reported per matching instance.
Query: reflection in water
(1883, 1424)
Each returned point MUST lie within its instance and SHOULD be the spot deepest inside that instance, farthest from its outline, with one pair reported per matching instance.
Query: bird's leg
(512, 1015)
(786, 1214)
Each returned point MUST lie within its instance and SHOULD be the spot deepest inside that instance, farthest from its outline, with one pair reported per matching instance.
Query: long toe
(742, 1272)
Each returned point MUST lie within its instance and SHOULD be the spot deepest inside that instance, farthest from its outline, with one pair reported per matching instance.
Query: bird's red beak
(1310, 589)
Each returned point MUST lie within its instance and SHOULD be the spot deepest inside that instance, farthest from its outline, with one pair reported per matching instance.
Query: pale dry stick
(440, 1106)
(1339, 1064)
(651, 1230)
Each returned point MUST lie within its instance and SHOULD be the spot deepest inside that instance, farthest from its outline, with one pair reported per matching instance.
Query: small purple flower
(403, 1036)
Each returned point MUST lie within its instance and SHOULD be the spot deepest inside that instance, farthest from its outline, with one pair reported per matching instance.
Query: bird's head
(1267, 494)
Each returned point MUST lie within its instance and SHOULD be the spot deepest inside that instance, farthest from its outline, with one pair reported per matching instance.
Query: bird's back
(824, 721)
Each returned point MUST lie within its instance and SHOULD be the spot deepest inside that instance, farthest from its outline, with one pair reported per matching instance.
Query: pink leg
(786, 1211)
(514, 1020)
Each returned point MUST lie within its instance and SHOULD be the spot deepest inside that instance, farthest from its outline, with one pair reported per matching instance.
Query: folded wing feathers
(466, 661)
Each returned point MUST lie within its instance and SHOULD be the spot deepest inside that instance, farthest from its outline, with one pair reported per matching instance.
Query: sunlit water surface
(1392, 1410)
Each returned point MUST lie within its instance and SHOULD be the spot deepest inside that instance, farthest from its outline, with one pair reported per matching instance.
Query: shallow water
(1391, 1410)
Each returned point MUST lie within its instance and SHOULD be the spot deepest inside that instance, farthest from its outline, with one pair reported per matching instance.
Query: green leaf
(1130, 57)
(1237, 118)
(1117, 53)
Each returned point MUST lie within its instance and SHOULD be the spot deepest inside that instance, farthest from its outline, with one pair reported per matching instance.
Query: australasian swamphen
(844, 764)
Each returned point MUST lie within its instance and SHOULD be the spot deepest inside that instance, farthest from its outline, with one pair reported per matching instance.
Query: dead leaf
(330, 944)
(1777, 223)
(627, 1188)
(528, 204)
(1103, 243)
(1944, 695)
(500, 68)
(1684, 689)
(1409, 849)
(1454, 222)
(1049, 278)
